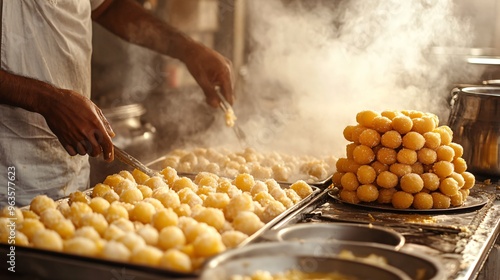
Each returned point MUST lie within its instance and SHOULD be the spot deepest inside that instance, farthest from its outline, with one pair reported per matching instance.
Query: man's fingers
(106, 124)
(70, 150)
(227, 90)
(81, 149)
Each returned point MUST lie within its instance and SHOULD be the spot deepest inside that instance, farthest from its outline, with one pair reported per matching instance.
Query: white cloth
(51, 41)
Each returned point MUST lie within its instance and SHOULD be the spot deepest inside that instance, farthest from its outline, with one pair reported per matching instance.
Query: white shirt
(51, 41)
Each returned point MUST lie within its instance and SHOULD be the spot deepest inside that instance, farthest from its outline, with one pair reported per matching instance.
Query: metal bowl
(415, 265)
(340, 231)
(282, 263)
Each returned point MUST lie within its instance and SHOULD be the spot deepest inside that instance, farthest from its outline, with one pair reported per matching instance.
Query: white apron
(48, 40)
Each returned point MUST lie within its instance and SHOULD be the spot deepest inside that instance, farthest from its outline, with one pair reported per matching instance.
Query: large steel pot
(475, 121)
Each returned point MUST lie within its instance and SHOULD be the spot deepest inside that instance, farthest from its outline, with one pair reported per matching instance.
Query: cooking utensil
(133, 162)
(475, 122)
(414, 264)
(230, 117)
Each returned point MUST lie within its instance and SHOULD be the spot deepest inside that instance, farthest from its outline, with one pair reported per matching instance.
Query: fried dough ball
(111, 196)
(81, 246)
(116, 211)
(460, 165)
(382, 124)
(422, 200)
(147, 255)
(412, 183)
(417, 168)
(31, 226)
(301, 188)
(347, 165)
(13, 213)
(164, 217)
(208, 244)
(367, 193)
(139, 177)
(470, 180)
(423, 124)
(391, 139)
(64, 228)
(113, 233)
(30, 214)
(445, 153)
(457, 200)
(184, 182)
(100, 190)
(41, 203)
(149, 234)
(211, 216)
(402, 200)
(272, 210)
(192, 231)
(176, 260)
(443, 168)
(124, 224)
(146, 191)
(427, 156)
(171, 237)
(407, 156)
(390, 114)
(449, 187)
(87, 232)
(47, 239)
(132, 240)
(233, 238)
(440, 201)
(258, 187)
(459, 150)
(244, 182)
(357, 132)
(217, 200)
(465, 193)
(78, 196)
(459, 178)
(169, 175)
(78, 210)
(113, 180)
(241, 202)
(123, 185)
(402, 124)
(51, 217)
(446, 134)
(21, 239)
(432, 140)
(142, 212)
(131, 195)
(247, 222)
(336, 178)
(366, 174)
(363, 154)
(95, 220)
(348, 132)
(385, 195)
(99, 205)
(431, 181)
(183, 210)
(369, 137)
(349, 181)
(387, 180)
(349, 196)
(379, 167)
(400, 169)
(386, 156)
(292, 195)
(115, 251)
(349, 149)
(413, 141)
(168, 198)
(366, 117)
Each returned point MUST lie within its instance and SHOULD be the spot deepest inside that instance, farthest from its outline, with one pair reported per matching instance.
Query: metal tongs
(133, 162)
(228, 111)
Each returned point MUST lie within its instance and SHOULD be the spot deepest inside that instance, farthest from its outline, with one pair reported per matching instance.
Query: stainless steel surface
(339, 231)
(282, 261)
(415, 265)
(133, 162)
(475, 121)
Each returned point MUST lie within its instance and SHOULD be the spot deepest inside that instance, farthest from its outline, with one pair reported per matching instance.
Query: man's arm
(81, 133)
(128, 20)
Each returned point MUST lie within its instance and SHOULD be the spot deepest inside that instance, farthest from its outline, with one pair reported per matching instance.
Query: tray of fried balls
(167, 223)
(403, 161)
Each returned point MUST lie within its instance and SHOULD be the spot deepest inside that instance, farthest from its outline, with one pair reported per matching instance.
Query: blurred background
(304, 68)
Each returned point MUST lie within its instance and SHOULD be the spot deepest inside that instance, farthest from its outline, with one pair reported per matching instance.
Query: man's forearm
(23, 92)
(128, 20)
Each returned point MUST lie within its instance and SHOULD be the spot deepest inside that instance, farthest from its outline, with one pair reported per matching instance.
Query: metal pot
(475, 121)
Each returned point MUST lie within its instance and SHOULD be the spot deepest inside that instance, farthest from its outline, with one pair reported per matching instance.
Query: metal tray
(269, 256)
(39, 262)
(338, 231)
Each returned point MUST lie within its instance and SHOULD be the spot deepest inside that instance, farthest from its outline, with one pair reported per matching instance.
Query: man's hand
(210, 69)
(79, 124)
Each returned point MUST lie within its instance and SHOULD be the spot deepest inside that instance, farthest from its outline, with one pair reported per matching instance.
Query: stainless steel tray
(37, 262)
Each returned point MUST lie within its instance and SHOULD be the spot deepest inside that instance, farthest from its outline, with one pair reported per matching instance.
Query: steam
(312, 67)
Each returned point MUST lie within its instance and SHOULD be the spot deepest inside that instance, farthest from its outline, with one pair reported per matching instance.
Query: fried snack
(414, 163)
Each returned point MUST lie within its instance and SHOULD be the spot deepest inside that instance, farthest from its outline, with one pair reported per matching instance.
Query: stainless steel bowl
(342, 232)
(282, 263)
(244, 260)
(475, 122)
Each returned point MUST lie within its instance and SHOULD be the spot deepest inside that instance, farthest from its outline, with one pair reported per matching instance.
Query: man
(46, 116)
